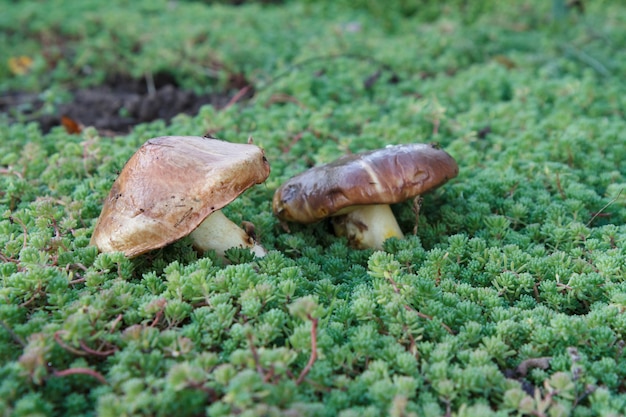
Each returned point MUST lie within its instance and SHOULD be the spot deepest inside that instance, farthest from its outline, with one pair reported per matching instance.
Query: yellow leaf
(19, 65)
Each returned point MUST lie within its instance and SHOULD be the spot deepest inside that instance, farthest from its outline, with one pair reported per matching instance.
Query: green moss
(522, 256)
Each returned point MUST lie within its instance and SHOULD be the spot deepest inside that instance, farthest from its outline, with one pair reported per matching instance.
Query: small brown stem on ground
(448, 408)
(81, 371)
(412, 344)
(150, 86)
(427, 317)
(57, 231)
(213, 395)
(6, 171)
(410, 308)
(512, 190)
(283, 98)
(21, 223)
(536, 290)
(78, 265)
(14, 335)
(294, 139)
(159, 314)
(255, 356)
(436, 124)
(115, 323)
(32, 298)
(313, 356)
(417, 206)
(5, 258)
(67, 347)
(86, 155)
(393, 283)
(559, 187)
(599, 213)
(237, 97)
(90, 351)
(77, 281)
(269, 377)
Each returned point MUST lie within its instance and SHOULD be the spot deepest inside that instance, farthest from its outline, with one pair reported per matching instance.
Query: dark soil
(115, 107)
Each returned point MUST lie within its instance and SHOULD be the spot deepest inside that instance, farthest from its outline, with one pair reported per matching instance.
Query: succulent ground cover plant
(508, 301)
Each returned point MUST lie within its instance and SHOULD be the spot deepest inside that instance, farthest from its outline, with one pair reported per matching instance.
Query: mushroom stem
(368, 226)
(219, 233)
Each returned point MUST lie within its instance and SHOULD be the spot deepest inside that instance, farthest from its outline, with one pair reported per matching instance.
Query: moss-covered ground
(509, 300)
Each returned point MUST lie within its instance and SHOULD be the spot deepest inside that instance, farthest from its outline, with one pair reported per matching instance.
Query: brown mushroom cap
(384, 176)
(169, 186)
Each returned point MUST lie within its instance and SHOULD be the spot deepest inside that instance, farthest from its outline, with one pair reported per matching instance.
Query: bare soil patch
(114, 107)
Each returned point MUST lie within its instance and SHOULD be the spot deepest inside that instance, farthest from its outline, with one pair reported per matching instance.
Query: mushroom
(175, 186)
(356, 190)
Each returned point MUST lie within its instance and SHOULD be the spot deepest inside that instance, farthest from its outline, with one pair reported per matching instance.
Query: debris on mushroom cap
(384, 176)
(169, 186)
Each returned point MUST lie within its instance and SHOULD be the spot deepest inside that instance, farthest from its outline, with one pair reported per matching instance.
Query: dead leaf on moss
(505, 61)
(20, 65)
(71, 126)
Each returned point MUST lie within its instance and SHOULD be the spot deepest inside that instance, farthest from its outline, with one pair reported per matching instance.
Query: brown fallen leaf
(19, 65)
(71, 126)
(505, 61)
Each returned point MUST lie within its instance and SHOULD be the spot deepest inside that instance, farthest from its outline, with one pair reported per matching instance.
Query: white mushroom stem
(368, 226)
(218, 233)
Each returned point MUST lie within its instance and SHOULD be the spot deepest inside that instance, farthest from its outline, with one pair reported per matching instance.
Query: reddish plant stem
(599, 213)
(67, 347)
(8, 171)
(81, 371)
(115, 323)
(269, 377)
(410, 308)
(436, 124)
(283, 98)
(158, 317)
(24, 230)
(313, 356)
(14, 335)
(412, 344)
(294, 139)
(236, 97)
(89, 350)
(31, 299)
(559, 187)
(417, 205)
(255, 356)
(210, 392)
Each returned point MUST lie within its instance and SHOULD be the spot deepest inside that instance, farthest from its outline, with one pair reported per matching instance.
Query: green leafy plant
(506, 297)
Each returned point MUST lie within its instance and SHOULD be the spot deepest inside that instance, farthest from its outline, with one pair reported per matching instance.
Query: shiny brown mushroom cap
(169, 186)
(384, 176)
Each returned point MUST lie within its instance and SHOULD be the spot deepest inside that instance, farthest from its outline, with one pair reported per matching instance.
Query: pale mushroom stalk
(217, 232)
(368, 226)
